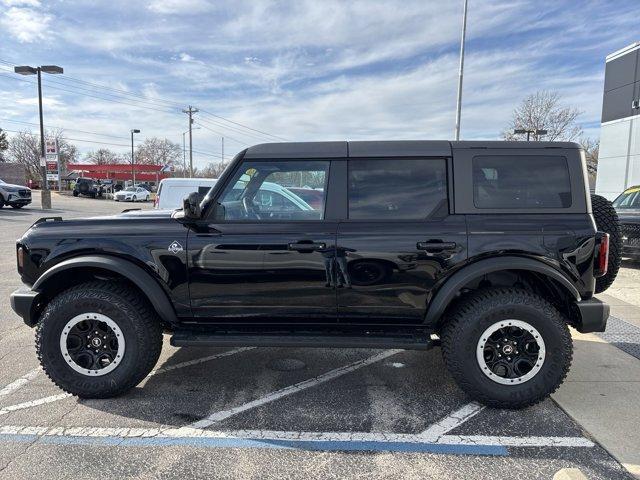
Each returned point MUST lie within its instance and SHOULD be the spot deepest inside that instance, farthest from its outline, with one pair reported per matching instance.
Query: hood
(629, 215)
(11, 185)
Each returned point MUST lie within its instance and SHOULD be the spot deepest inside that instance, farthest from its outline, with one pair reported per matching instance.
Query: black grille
(24, 193)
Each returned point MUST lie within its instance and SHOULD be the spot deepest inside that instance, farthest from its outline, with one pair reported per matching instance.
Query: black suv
(628, 207)
(88, 187)
(489, 249)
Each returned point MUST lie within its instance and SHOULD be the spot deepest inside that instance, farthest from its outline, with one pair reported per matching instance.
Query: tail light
(602, 255)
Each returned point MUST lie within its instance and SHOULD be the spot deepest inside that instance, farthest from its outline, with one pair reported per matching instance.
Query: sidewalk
(602, 390)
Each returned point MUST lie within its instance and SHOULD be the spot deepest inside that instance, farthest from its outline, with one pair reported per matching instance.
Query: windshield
(130, 189)
(630, 198)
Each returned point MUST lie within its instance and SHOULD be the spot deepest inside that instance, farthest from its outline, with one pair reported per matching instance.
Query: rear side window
(532, 181)
(397, 189)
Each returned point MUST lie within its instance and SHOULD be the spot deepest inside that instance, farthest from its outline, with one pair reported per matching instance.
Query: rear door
(398, 241)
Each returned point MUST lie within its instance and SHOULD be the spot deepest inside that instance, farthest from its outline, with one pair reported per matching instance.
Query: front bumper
(15, 199)
(24, 302)
(594, 314)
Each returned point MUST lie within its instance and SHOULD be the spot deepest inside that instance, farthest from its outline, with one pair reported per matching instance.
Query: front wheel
(17, 205)
(507, 347)
(98, 339)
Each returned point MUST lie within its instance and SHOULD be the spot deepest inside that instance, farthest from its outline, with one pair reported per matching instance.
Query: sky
(300, 70)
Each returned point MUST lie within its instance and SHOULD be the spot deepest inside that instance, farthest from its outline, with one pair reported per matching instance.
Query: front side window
(527, 181)
(397, 189)
(265, 191)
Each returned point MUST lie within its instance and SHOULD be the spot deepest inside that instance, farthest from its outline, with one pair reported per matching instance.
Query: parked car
(88, 187)
(146, 186)
(500, 247)
(171, 191)
(627, 206)
(312, 196)
(132, 194)
(16, 196)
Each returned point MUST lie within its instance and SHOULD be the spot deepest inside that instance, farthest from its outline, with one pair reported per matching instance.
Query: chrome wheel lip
(510, 323)
(101, 318)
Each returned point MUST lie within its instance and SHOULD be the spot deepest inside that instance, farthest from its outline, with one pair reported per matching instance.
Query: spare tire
(83, 187)
(607, 221)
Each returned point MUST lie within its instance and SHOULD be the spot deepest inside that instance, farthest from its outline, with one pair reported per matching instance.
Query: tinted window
(397, 188)
(265, 190)
(531, 181)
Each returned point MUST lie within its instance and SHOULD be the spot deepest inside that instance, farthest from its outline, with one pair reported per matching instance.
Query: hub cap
(510, 352)
(92, 344)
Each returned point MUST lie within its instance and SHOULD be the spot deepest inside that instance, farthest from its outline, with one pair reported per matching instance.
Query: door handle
(307, 247)
(436, 246)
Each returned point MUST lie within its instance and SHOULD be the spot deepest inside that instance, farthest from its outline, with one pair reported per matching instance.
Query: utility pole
(184, 156)
(461, 71)
(133, 159)
(190, 111)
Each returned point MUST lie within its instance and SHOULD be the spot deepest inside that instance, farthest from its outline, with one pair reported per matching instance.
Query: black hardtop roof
(387, 148)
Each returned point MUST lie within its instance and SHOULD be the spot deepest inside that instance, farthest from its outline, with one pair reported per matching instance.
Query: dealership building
(619, 156)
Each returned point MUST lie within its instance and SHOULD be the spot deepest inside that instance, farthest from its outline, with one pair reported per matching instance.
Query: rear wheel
(507, 348)
(1, 201)
(98, 339)
(607, 221)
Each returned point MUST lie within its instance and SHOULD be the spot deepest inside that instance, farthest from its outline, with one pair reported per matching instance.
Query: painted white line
(186, 432)
(291, 389)
(20, 382)
(199, 360)
(516, 441)
(34, 403)
(451, 421)
(62, 396)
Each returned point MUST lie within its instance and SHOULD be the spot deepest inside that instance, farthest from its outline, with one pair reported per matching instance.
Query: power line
(156, 102)
(222, 134)
(65, 128)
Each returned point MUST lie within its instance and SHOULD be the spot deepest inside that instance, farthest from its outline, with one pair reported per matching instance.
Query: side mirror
(191, 206)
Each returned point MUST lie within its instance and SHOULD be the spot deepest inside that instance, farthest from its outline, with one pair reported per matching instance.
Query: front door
(267, 254)
(399, 239)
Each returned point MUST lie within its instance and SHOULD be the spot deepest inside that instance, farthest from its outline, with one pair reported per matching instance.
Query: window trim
(448, 182)
(517, 209)
(210, 217)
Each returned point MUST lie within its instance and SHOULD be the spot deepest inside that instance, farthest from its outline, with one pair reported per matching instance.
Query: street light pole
(45, 197)
(461, 72)
(133, 162)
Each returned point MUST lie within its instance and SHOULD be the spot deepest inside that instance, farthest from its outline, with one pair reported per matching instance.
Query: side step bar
(200, 339)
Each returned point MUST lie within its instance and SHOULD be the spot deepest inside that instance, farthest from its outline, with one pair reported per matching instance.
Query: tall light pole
(133, 162)
(190, 111)
(461, 71)
(45, 198)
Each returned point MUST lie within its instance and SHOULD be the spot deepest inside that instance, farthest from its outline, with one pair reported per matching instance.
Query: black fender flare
(142, 279)
(452, 286)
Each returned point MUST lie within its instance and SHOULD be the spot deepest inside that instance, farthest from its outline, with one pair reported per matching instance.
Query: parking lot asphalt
(268, 412)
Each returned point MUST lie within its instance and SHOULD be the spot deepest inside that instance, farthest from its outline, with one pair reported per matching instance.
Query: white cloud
(185, 57)
(22, 3)
(179, 7)
(26, 25)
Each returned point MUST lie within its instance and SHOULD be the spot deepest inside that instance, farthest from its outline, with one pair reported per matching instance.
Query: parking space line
(34, 403)
(291, 389)
(55, 398)
(199, 360)
(20, 382)
(327, 441)
(451, 421)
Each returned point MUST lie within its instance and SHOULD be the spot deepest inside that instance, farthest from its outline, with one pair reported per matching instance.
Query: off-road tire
(474, 314)
(75, 193)
(1, 201)
(607, 221)
(135, 318)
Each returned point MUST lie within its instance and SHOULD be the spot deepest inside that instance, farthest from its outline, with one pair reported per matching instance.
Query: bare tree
(4, 145)
(24, 148)
(211, 170)
(158, 151)
(103, 156)
(543, 111)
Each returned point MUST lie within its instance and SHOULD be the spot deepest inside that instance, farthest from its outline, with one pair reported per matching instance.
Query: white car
(132, 194)
(172, 190)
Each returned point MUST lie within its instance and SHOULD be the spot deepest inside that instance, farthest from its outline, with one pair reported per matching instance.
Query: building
(619, 157)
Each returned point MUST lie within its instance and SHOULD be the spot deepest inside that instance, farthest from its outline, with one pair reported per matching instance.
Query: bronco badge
(175, 247)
